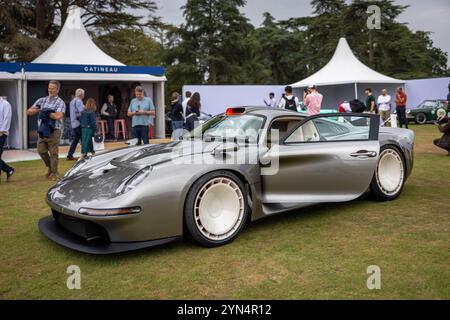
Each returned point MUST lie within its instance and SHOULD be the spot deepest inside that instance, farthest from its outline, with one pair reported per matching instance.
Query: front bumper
(55, 232)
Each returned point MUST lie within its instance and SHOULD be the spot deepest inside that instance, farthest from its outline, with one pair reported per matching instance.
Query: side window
(332, 128)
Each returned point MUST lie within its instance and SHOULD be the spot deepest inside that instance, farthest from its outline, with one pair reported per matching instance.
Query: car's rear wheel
(216, 209)
(389, 177)
(421, 118)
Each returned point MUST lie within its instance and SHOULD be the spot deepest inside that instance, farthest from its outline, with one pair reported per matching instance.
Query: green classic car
(429, 110)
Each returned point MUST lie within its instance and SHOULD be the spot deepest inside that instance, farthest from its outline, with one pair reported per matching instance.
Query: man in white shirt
(272, 102)
(289, 101)
(5, 124)
(188, 95)
(384, 105)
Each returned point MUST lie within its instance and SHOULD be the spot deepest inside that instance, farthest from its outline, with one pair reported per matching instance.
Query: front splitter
(54, 232)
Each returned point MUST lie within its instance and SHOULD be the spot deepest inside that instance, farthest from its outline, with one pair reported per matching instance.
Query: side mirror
(224, 148)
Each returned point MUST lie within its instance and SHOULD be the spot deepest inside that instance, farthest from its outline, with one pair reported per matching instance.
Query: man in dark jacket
(444, 142)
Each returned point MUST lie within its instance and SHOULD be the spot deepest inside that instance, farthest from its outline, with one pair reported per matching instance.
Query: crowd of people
(184, 114)
(312, 103)
(51, 112)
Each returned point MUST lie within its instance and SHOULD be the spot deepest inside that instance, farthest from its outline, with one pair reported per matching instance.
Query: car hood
(100, 182)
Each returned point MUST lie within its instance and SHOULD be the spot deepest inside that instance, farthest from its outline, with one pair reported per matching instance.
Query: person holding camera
(444, 126)
(142, 111)
(313, 100)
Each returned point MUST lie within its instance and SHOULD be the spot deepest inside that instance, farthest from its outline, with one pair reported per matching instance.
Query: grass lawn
(318, 253)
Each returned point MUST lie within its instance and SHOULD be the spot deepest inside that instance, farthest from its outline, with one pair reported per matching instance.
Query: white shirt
(5, 116)
(184, 105)
(272, 103)
(384, 103)
(282, 103)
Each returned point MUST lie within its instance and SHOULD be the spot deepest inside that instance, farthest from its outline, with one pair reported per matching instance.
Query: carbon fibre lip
(51, 230)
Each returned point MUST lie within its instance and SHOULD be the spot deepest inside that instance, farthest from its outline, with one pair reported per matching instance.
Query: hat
(311, 86)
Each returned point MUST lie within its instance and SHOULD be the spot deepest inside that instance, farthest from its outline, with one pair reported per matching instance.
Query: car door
(326, 158)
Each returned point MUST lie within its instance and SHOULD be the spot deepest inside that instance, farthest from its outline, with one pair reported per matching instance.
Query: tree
(214, 45)
(131, 47)
(17, 40)
(28, 27)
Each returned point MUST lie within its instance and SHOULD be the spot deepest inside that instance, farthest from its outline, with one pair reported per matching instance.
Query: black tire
(421, 118)
(192, 221)
(376, 188)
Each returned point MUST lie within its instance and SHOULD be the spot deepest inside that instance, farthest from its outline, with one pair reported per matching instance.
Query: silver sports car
(240, 166)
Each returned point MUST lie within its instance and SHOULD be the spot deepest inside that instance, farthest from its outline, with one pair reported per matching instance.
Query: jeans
(76, 139)
(3, 166)
(177, 129)
(141, 133)
(401, 112)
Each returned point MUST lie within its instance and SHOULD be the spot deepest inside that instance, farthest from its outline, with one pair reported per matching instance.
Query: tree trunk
(371, 49)
(64, 7)
(41, 16)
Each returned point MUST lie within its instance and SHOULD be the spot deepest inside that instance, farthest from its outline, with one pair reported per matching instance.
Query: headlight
(408, 111)
(135, 180)
(77, 167)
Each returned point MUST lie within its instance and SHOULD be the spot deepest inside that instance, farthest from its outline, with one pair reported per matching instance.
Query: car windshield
(428, 104)
(242, 128)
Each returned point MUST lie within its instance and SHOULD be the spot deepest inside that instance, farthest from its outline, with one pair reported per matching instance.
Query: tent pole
(356, 90)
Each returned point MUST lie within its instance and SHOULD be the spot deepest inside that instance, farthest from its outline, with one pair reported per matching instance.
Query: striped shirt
(53, 103)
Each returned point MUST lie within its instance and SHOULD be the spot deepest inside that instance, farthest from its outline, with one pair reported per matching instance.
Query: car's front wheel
(389, 177)
(216, 209)
(421, 118)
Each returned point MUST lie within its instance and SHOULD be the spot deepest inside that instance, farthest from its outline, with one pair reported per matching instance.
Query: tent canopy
(345, 68)
(74, 46)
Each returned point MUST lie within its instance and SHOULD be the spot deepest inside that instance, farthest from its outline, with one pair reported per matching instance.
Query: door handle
(364, 154)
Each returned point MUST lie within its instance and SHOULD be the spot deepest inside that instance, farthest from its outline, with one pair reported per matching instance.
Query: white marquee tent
(10, 88)
(344, 76)
(76, 61)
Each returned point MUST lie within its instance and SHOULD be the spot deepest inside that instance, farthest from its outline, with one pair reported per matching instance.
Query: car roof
(271, 112)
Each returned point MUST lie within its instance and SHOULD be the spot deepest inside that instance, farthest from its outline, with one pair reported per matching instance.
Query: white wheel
(219, 208)
(216, 209)
(389, 175)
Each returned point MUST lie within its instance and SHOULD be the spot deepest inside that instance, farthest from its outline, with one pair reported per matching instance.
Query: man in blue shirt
(142, 112)
(76, 108)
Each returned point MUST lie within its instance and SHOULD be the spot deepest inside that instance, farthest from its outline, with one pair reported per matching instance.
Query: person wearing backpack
(289, 101)
(313, 101)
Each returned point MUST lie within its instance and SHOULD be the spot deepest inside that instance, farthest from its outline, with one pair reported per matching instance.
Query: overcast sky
(426, 15)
